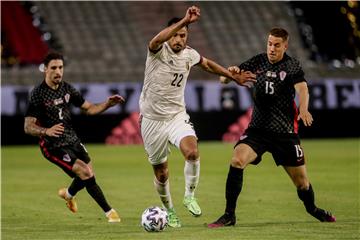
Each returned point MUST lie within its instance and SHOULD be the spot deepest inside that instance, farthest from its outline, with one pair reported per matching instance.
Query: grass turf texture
(268, 207)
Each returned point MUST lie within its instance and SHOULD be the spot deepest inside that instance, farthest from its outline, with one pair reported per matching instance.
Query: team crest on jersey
(282, 75)
(67, 98)
(66, 158)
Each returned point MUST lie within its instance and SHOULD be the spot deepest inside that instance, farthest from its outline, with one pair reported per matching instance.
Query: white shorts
(158, 134)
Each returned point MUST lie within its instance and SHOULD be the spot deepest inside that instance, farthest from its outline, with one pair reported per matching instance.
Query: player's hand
(55, 131)
(234, 69)
(306, 117)
(192, 14)
(224, 80)
(242, 77)
(115, 99)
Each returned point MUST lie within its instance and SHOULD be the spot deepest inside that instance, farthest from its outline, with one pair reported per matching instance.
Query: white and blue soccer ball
(154, 219)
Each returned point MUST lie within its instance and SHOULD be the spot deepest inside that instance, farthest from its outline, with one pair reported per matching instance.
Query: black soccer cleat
(323, 215)
(224, 221)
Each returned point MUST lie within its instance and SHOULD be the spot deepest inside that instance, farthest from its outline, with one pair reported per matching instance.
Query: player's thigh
(189, 148)
(155, 138)
(181, 127)
(243, 154)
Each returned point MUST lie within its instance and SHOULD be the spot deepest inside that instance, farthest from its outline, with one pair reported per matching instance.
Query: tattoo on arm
(31, 128)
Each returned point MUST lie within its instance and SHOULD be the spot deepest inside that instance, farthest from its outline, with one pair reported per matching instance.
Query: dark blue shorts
(286, 150)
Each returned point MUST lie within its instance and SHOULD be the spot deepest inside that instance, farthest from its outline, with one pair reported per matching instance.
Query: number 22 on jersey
(176, 82)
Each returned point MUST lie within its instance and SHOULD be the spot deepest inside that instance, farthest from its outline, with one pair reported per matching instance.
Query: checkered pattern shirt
(275, 110)
(51, 107)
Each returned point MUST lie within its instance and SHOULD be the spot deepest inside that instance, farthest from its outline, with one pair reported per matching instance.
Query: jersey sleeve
(249, 65)
(75, 97)
(194, 56)
(299, 75)
(157, 52)
(33, 105)
(161, 53)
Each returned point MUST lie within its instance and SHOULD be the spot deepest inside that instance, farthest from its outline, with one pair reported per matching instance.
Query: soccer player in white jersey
(163, 115)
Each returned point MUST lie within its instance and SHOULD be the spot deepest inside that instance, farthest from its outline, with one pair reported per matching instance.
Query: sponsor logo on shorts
(243, 137)
(190, 123)
(66, 158)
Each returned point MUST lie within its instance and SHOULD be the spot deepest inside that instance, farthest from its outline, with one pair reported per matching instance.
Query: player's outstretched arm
(303, 93)
(242, 78)
(233, 69)
(192, 15)
(92, 109)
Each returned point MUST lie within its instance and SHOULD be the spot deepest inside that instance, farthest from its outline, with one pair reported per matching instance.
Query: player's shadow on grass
(264, 224)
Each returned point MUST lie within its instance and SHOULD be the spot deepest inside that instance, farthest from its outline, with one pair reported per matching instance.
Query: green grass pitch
(268, 207)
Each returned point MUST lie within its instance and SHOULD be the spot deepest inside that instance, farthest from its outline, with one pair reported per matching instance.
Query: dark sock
(234, 183)
(95, 192)
(308, 198)
(76, 185)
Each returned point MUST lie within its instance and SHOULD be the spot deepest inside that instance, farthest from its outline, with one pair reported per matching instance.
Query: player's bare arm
(241, 77)
(192, 15)
(92, 109)
(31, 128)
(303, 93)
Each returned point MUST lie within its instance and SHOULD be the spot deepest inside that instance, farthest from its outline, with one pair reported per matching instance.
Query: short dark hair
(279, 32)
(52, 56)
(175, 20)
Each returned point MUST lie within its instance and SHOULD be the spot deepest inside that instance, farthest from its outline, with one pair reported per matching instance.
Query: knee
(85, 173)
(191, 154)
(162, 175)
(302, 185)
(238, 162)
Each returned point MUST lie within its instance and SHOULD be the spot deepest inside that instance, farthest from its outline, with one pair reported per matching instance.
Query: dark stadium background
(105, 43)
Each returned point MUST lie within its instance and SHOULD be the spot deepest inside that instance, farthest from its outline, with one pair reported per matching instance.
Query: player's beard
(177, 48)
(57, 80)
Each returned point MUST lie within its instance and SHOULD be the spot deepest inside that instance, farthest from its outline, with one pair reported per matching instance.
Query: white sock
(163, 190)
(108, 212)
(68, 195)
(192, 174)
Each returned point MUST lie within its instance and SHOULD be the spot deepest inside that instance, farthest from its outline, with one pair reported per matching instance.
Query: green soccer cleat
(173, 220)
(191, 204)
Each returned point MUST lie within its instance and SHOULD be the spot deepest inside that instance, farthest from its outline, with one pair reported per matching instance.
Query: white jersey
(166, 73)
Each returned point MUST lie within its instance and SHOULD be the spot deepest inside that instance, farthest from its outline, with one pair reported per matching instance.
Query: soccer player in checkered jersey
(49, 117)
(274, 125)
(163, 115)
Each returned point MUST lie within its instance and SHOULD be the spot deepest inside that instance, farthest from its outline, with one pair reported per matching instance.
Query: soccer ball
(154, 219)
